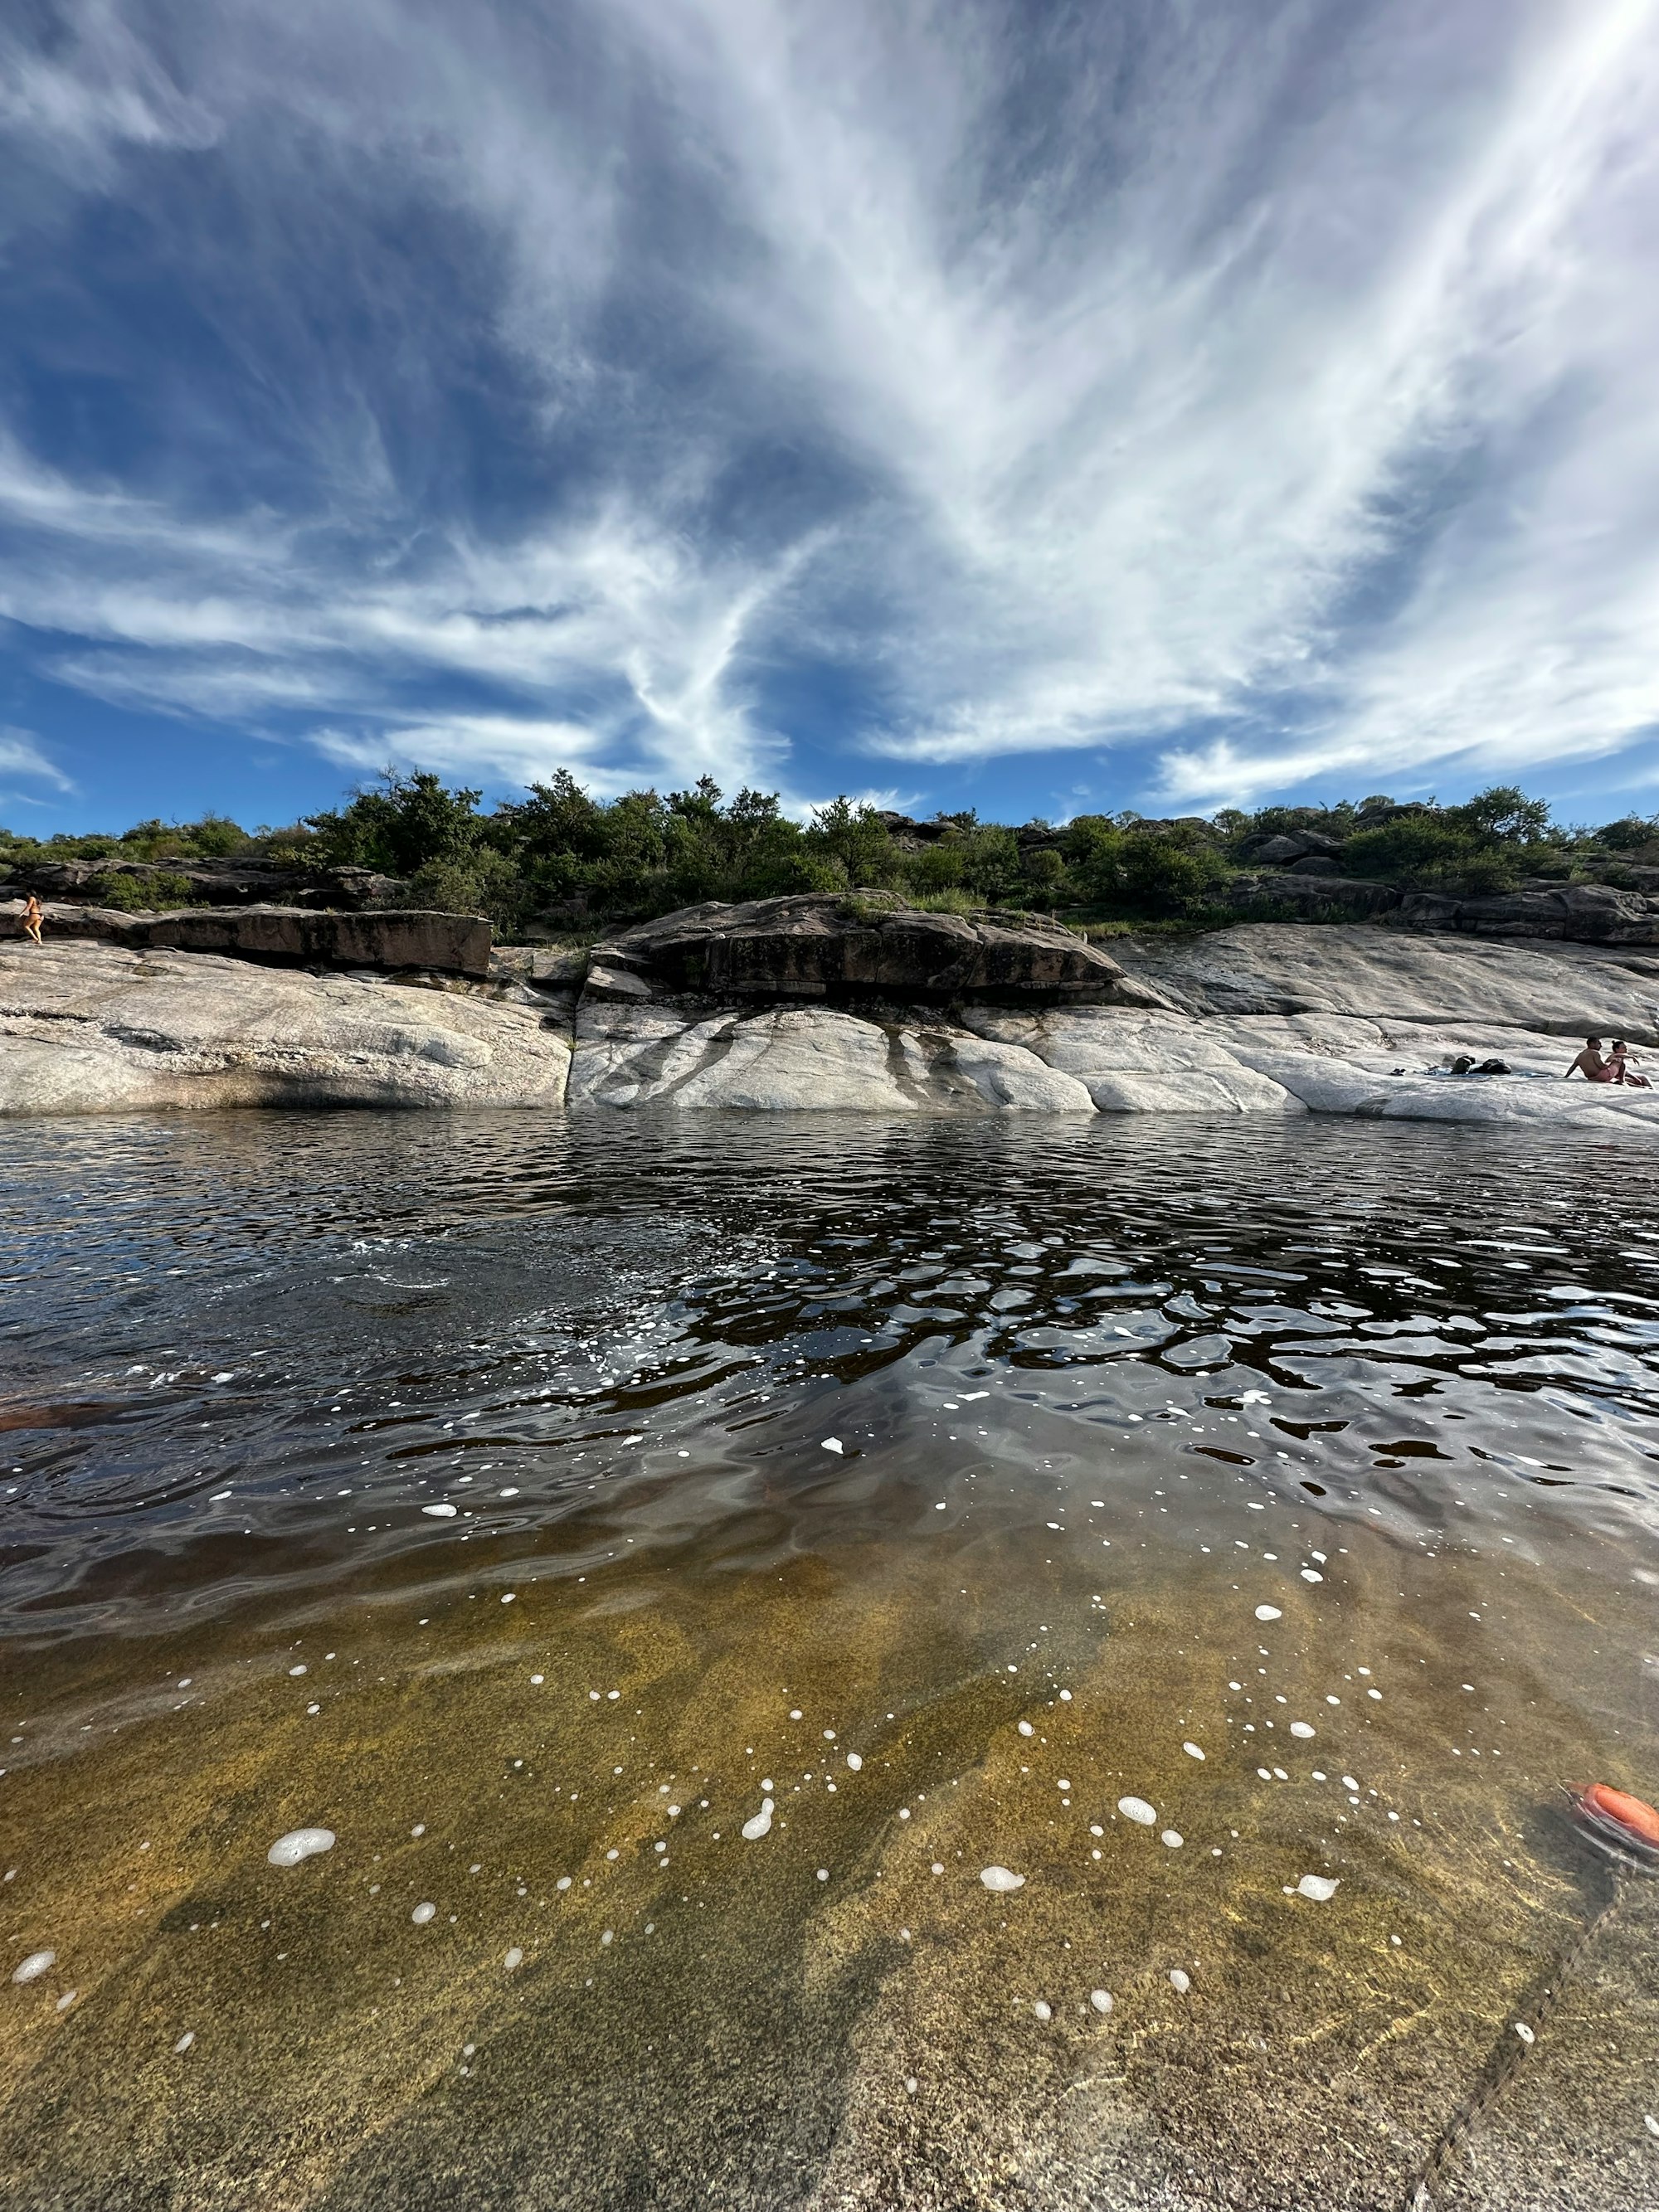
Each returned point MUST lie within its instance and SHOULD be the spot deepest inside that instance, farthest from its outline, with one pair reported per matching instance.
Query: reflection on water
(530, 1506)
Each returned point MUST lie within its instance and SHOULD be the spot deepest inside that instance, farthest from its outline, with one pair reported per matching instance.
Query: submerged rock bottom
(548, 1961)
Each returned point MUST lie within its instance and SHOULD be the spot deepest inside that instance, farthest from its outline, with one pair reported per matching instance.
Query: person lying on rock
(33, 914)
(1590, 1064)
(1619, 1060)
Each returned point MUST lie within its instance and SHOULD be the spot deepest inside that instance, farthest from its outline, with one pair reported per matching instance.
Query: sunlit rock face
(88, 1028)
(1384, 975)
(1135, 1063)
(1266, 1019)
(806, 1060)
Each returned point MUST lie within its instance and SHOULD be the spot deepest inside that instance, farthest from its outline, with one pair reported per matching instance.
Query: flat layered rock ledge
(88, 1027)
(812, 1006)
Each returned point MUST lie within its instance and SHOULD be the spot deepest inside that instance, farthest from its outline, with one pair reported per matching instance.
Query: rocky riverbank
(89, 1028)
(815, 1005)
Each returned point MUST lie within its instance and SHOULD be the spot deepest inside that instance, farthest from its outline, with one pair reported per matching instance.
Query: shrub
(134, 894)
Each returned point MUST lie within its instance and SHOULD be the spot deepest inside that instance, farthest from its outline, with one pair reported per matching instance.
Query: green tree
(400, 824)
(856, 840)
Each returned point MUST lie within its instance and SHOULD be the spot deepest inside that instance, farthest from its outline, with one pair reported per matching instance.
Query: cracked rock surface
(90, 1028)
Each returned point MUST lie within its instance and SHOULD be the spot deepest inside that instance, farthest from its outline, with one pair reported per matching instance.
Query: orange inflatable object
(1629, 1812)
(1617, 1817)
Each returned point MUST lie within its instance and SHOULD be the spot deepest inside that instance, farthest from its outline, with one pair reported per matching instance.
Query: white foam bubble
(1025, 1727)
(1180, 1982)
(440, 1512)
(422, 1913)
(1192, 1750)
(1300, 1728)
(854, 1761)
(1138, 1810)
(184, 2042)
(761, 1824)
(1174, 1840)
(834, 1444)
(514, 1958)
(999, 1878)
(1268, 1612)
(300, 1843)
(1043, 2011)
(31, 1968)
(1101, 2000)
(1321, 1888)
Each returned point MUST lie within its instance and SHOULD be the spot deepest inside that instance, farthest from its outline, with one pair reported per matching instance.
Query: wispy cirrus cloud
(1246, 394)
(22, 755)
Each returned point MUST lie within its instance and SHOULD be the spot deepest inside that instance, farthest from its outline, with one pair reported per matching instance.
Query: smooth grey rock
(1140, 1063)
(805, 1059)
(90, 1028)
(1587, 914)
(605, 981)
(1319, 895)
(560, 970)
(1276, 852)
(282, 936)
(1384, 975)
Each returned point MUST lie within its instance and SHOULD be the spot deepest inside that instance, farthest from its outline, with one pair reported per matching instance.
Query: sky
(1047, 407)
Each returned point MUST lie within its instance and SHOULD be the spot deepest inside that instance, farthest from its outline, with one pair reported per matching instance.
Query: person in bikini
(1590, 1064)
(32, 917)
(1619, 1060)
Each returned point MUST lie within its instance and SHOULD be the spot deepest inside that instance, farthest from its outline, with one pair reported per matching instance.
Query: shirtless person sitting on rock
(1590, 1064)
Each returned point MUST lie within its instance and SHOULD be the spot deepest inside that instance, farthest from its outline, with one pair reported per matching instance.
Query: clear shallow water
(1101, 1394)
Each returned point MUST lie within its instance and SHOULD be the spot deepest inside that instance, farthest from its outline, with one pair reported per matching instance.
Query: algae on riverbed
(718, 1611)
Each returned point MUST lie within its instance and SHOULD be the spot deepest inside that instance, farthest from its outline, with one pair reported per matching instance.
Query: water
(1326, 1451)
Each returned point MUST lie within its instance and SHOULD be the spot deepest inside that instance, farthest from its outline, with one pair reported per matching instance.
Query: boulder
(805, 1060)
(1312, 890)
(282, 936)
(1274, 852)
(560, 970)
(1387, 975)
(910, 832)
(92, 1028)
(1283, 848)
(825, 947)
(1140, 1063)
(1585, 914)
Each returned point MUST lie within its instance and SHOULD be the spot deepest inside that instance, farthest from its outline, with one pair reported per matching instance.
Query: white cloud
(1269, 390)
(20, 754)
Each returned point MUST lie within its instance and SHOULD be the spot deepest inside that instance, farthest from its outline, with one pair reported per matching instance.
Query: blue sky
(1172, 404)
